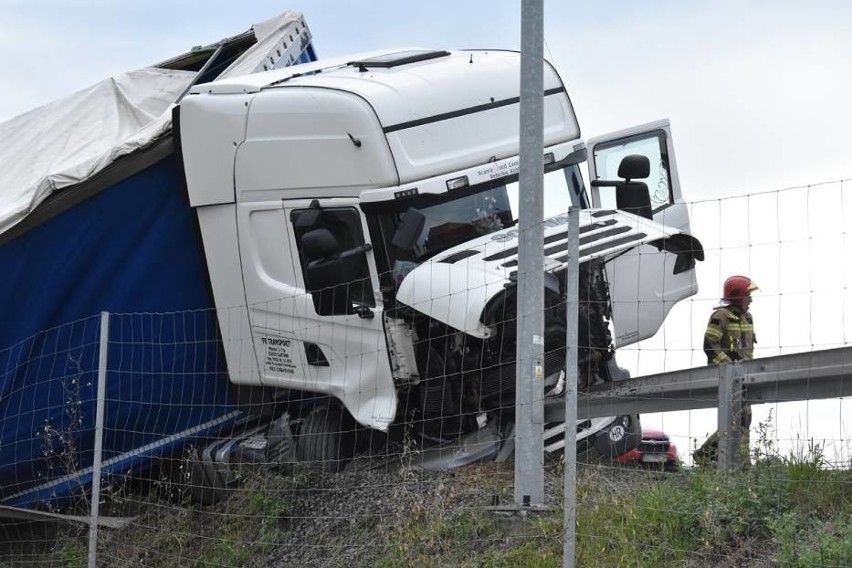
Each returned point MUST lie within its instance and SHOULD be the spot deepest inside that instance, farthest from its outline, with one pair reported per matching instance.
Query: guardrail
(784, 378)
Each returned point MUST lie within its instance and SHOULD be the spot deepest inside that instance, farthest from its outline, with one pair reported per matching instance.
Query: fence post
(572, 298)
(99, 437)
(730, 414)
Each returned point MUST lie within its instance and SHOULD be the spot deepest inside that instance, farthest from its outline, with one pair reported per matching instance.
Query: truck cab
(359, 224)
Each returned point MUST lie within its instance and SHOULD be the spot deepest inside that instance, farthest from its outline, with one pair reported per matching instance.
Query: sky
(756, 91)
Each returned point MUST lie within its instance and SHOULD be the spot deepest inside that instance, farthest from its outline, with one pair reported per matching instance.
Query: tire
(328, 437)
(623, 435)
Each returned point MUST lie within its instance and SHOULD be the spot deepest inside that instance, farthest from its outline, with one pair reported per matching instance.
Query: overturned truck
(329, 252)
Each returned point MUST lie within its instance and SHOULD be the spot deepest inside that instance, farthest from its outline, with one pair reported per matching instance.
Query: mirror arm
(360, 249)
(605, 183)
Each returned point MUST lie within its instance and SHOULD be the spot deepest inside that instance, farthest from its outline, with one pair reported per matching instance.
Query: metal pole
(737, 416)
(202, 71)
(730, 408)
(572, 298)
(529, 399)
(99, 440)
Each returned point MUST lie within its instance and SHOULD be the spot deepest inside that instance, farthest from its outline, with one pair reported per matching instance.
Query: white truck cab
(358, 218)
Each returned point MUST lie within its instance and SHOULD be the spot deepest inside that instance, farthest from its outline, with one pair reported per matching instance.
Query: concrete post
(529, 393)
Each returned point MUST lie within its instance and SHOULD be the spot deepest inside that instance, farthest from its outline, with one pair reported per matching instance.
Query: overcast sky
(757, 93)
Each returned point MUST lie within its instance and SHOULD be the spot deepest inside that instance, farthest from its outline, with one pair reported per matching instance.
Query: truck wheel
(328, 437)
(620, 437)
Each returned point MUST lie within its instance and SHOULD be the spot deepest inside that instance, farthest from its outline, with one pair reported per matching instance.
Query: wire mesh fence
(326, 427)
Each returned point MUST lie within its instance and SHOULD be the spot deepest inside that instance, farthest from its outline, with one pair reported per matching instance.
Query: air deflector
(398, 58)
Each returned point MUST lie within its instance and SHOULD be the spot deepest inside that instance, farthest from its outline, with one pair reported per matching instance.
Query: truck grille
(595, 237)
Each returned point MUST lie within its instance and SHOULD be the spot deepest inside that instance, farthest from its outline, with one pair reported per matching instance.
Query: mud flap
(216, 468)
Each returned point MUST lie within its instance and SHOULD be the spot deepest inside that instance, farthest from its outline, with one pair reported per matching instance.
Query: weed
(60, 442)
(765, 448)
(72, 554)
(174, 478)
(802, 541)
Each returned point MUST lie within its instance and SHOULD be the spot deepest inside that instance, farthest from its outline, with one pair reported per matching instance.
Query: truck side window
(608, 157)
(338, 282)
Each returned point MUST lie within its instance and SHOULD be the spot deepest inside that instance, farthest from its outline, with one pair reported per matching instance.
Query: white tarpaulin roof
(66, 142)
(69, 140)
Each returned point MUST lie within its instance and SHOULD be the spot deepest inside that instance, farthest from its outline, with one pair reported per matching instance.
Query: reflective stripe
(721, 358)
(713, 332)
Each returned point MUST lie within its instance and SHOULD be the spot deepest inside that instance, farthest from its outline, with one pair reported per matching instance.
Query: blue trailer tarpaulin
(93, 218)
(129, 249)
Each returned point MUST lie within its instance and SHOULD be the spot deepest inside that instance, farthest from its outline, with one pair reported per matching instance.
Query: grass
(783, 510)
(791, 514)
(237, 532)
(789, 511)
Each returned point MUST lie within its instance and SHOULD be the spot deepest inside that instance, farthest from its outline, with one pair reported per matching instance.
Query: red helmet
(737, 287)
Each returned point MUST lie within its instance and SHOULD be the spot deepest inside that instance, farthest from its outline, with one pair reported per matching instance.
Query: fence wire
(372, 441)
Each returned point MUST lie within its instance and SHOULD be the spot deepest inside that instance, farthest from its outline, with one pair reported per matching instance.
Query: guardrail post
(730, 416)
(738, 406)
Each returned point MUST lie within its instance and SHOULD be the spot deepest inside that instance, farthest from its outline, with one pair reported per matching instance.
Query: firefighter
(730, 337)
(730, 331)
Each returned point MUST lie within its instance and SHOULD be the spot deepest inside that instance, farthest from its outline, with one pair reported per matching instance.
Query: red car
(655, 450)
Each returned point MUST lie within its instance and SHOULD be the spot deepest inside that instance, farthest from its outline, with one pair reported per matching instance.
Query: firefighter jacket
(729, 336)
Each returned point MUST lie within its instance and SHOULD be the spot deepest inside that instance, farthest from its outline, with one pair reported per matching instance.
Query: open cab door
(654, 141)
(634, 170)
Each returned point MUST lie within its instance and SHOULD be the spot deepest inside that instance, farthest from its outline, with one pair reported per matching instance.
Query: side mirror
(409, 229)
(320, 243)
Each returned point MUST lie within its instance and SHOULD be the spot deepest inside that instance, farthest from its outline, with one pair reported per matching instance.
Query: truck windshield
(459, 216)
